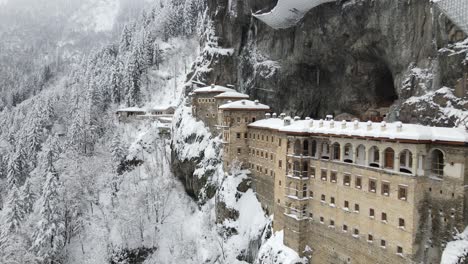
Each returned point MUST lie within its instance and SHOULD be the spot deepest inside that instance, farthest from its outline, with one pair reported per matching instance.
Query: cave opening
(384, 90)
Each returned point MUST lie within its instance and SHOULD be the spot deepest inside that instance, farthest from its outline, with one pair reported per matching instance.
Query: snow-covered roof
(287, 13)
(232, 95)
(213, 89)
(162, 108)
(131, 109)
(383, 130)
(244, 105)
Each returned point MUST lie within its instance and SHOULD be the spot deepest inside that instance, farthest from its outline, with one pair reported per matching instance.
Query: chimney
(332, 123)
(399, 126)
(212, 86)
(287, 121)
(343, 124)
(282, 116)
(369, 125)
(321, 123)
(356, 124)
(267, 115)
(383, 126)
(275, 115)
(296, 118)
(256, 102)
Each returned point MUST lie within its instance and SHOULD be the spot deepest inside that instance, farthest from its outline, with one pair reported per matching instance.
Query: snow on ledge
(287, 13)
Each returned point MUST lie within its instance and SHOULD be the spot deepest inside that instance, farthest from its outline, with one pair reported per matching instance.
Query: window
(280, 164)
(246, 120)
(332, 223)
(370, 238)
(279, 142)
(332, 200)
(402, 192)
(348, 153)
(383, 243)
(322, 198)
(238, 151)
(261, 154)
(406, 161)
(386, 188)
(345, 228)
(347, 180)
(389, 160)
(245, 135)
(311, 194)
(336, 151)
(304, 190)
(356, 208)
(324, 175)
(399, 250)
(333, 176)
(325, 151)
(263, 137)
(372, 185)
(374, 157)
(437, 163)
(238, 135)
(356, 232)
(371, 213)
(358, 182)
(312, 172)
(253, 119)
(271, 156)
(384, 217)
(279, 183)
(401, 223)
(321, 220)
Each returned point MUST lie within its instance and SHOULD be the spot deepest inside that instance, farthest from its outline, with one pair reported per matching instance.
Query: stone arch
(374, 157)
(348, 155)
(406, 161)
(437, 162)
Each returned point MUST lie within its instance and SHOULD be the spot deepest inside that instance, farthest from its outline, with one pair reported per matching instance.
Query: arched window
(406, 161)
(374, 157)
(297, 147)
(336, 151)
(305, 149)
(389, 160)
(314, 149)
(437, 163)
(348, 153)
(297, 169)
(325, 150)
(361, 155)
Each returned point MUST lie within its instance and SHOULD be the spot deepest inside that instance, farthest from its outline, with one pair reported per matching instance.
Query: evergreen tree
(14, 214)
(49, 237)
(117, 150)
(27, 197)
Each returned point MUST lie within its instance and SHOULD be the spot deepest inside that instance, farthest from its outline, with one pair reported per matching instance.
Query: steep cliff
(344, 57)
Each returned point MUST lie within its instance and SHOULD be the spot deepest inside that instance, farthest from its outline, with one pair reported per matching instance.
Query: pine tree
(14, 214)
(27, 197)
(49, 237)
(14, 169)
(117, 150)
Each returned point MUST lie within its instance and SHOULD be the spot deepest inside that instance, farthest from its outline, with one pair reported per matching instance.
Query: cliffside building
(351, 192)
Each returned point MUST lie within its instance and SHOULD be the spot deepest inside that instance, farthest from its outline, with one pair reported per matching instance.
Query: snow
(244, 104)
(97, 15)
(131, 109)
(287, 13)
(232, 95)
(367, 129)
(273, 251)
(213, 89)
(456, 250)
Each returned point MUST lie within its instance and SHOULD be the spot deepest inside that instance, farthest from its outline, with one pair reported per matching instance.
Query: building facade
(352, 192)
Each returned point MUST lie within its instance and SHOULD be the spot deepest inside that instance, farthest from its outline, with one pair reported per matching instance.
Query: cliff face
(349, 56)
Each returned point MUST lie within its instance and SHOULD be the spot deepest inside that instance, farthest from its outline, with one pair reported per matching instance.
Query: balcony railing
(298, 174)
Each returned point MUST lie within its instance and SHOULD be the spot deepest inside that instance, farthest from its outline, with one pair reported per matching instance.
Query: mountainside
(344, 57)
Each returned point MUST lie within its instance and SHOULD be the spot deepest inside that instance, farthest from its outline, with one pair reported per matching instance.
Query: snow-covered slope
(288, 12)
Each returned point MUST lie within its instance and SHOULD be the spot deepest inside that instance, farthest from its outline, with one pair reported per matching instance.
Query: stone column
(381, 158)
(342, 150)
(418, 164)
(396, 163)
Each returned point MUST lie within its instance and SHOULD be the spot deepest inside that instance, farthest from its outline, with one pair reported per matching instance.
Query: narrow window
(358, 182)
(280, 163)
(384, 217)
(383, 243)
(370, 238)
(371, 213)
(312, 172)
(347, 180)
(401, 223)
(346, 204)
(345, 228)
(332, 223)
(333, 176)
(356, 208)
(385, 188)
(322, 198)
(321, 220)
(238, 151)
(245, 135)
(324, 175)
(279, 142)
(399, 250)
(311, 194)
(372, 186)
(356, 232)
(279, 183)
(238, 120)
(238, 135)
(437, 163)
(402, 193)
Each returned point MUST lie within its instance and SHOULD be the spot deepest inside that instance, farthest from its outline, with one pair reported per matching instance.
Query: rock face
(349, 56)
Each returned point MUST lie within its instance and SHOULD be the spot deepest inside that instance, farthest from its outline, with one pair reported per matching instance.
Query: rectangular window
(347, 180)
(272, 139)
(324, 175)
(345, 228)
(245, 135)
(358, 182)
(333, 176)
(346, 204)
(370, 238)
(332, 200)
(246, 120)
(238, 135)
(402, 192)
(312, 172)
(356, 232)
(238, 120)
(279, 142)
(385, 188)
(311, 194)
(384, 217)
(238, 151)
(280, 164)
(263, 137)
(371, 213)
(372, 185)
(401, 223)
(322, 198)
(356, 208)
(321, 220)
(271, 156)
(383, 243)
(332, 223)
(399, 250)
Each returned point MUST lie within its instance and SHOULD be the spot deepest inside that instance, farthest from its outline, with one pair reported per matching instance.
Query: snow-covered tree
(27, 197)
(14, 213)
